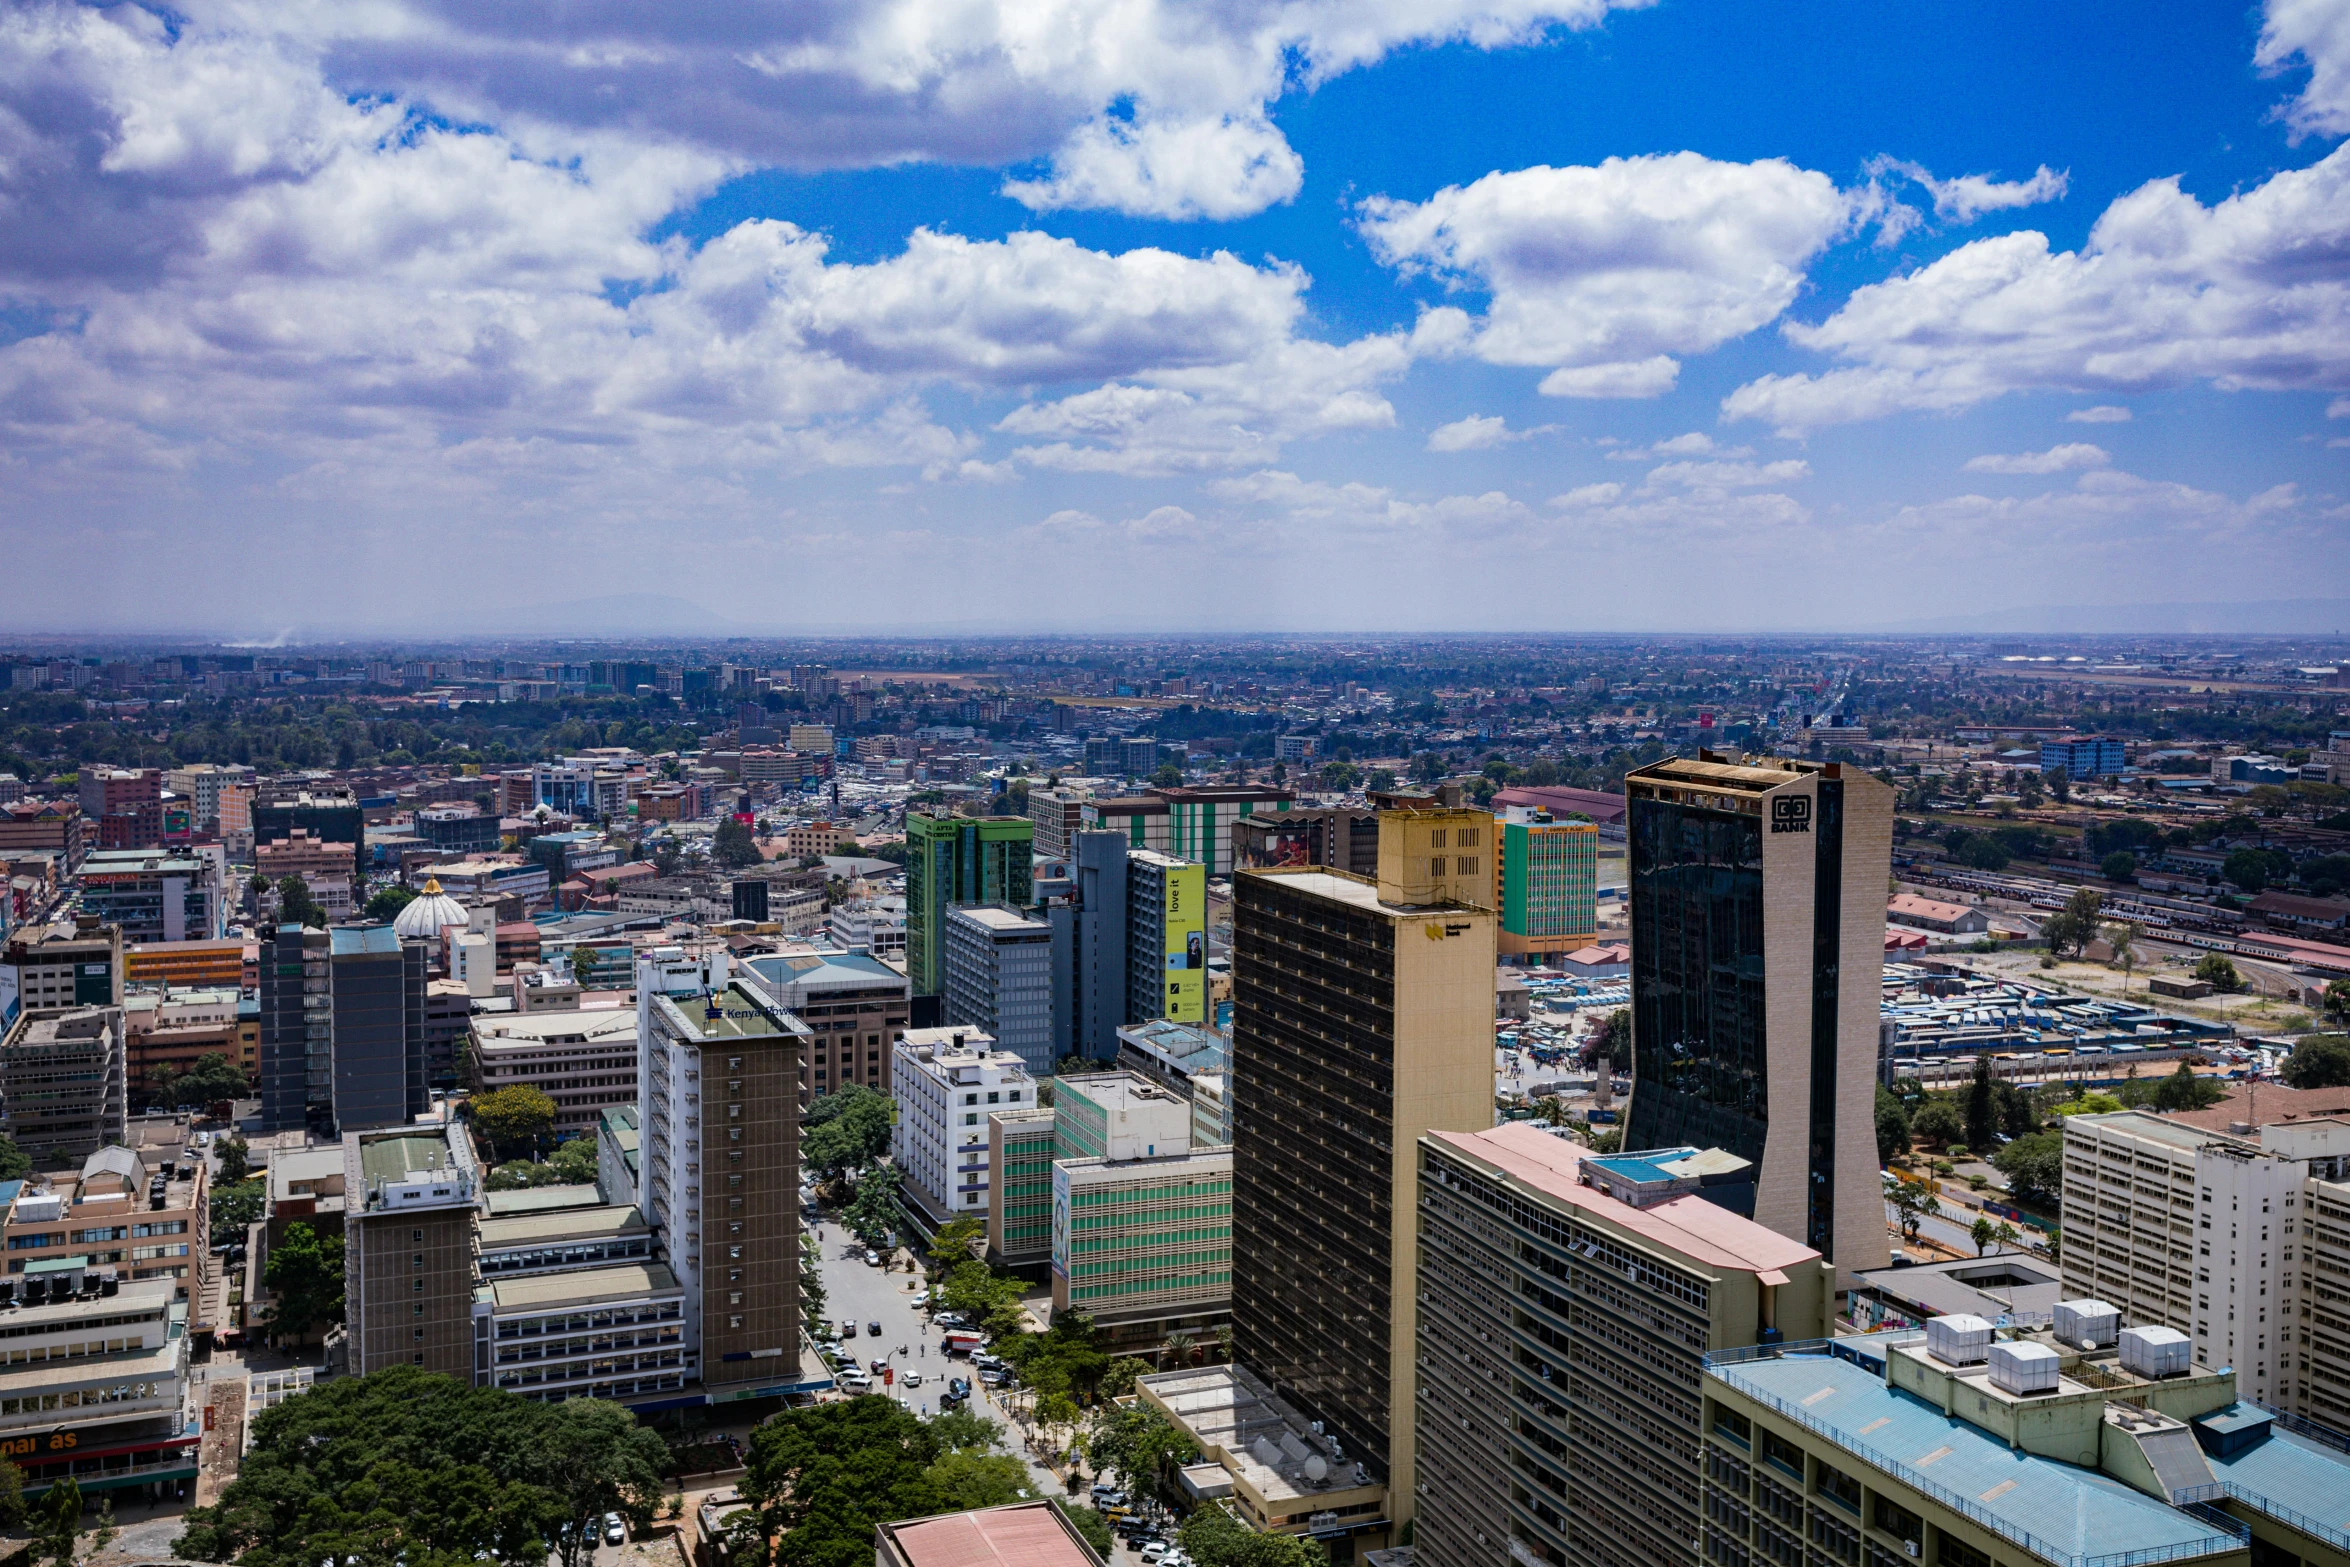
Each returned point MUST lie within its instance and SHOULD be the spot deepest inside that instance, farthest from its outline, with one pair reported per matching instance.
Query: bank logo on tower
(1791, 814)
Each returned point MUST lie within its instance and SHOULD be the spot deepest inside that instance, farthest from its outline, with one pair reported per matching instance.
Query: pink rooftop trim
(1697, 1229)
(1017, 1536)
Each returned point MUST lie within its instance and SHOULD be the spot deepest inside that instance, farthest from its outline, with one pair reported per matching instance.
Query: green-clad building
(954, 862)
(1020, 1197)
(1547, 875)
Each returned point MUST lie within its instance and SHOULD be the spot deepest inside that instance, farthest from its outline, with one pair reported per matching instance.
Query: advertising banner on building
(1060, 1220)
(1186, 944)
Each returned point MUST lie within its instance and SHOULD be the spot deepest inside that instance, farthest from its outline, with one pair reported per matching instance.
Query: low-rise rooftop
(585, 1287)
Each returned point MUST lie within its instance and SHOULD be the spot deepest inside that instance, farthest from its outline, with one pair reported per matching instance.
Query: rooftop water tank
(2087, 1324)
(2155, 1352)
(2024, 1367)
(1959, 1339)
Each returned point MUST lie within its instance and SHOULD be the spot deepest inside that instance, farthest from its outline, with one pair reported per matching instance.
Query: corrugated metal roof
(2078, 1511)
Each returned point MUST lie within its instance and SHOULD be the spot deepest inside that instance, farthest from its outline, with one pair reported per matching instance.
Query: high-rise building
(1547, 883)
(1564, 1314)
(1129, 946)
(1141, 1221)
(1058, 814)
(999, 980)
(1758, 933)
(297, 1028)
(1362, 1020)
(1339, 837)
(200, 784)
(64, 1083)
(953, 862)
(411, 1198)
(332, 816)
(720, 1171)
(377, 983)
(1189, 823)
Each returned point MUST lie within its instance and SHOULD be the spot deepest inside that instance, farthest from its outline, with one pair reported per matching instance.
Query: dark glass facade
(1827, 939)
(1699, 1060)
(1313, 1058)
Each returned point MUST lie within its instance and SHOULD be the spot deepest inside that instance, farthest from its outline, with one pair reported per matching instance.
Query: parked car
(872, 1258)
(858, 1381)
(1153, 1551)
(615, 1532)
(1108, 1496)
(995, 1376)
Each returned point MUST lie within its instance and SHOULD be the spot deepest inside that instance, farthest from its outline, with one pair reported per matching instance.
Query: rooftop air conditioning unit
(1958, 1339)
(2023, 1368)
(2087, 1324)
(2155, 1352)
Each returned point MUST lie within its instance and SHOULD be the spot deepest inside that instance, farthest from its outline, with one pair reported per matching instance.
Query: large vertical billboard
(1185, 943)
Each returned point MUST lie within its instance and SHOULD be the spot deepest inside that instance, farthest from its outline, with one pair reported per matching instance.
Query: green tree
(2318, 1061)
(1213, 1537)
(873, 1212)
(15, 1163)
(1983, 852)
(304, 1274)
(2074, 926)
(405, 1465)
(1892, 1125)
(1167, 776)
(233, 1156)
(845, 1131)
(212, 1079)
(1092, 1525)
(2121, 865)
(2060, 784)
(513, 1119)
(824, 1477)
(12, 1507)
(295, 906)
(2248, 869)
(968, 1480)
(2092, 1102)
(388, 903)
(592, 1455)
(732, 845)
(1142, 1447)
(1982, 1234)
(2034, 1167)
(1938, 1121)
(235, 1207)
(952, 1245)
(1982, 1107)
(2183, 1090)
(2335, 1003)
(1613, 1038)
(57, 1521)
(2215, 970)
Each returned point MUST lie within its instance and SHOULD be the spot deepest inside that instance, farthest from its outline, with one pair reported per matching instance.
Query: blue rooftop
(799, 967)
(2299, 1481)
(2058, 1510)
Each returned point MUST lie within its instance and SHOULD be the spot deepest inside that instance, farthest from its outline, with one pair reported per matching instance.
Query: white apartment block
(2240, 1240)
(947, 1080)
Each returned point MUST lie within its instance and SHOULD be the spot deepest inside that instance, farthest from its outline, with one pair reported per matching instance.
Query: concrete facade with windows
(1361, 1021)
(154, 896)
(411, 1200)
(143, 1222)
(616, 1332)
(64, 1083)
(94, 1384)
(1546, 882)
(721, 1173)
(855, 1006)
(584, 1061)
(1561, 1335)
(999, 980)
(949, 1080)
(1144, 1240)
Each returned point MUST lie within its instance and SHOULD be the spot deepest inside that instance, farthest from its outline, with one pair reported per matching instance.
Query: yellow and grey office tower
(1758, 942)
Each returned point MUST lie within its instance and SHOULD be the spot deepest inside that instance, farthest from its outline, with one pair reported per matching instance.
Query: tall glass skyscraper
(954, 862)
(1758, 935)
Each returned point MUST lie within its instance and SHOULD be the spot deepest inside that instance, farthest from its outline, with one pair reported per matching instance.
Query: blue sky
(1465, 314)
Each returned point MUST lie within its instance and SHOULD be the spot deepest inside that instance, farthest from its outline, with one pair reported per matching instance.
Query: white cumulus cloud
(2103, 413)
(1966, 197)
(2246, 293)
(2057, 459)
(1607, 272)
(2315, 33)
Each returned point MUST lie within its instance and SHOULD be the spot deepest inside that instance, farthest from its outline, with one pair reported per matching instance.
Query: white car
(913, 1379)
(1155, 1552)
(859, 1381)
(615, 1533)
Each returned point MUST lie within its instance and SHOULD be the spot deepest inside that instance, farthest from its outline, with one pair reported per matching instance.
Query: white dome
(427, 913)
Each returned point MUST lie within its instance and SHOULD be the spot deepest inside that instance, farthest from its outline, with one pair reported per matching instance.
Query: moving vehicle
(959, 1387)
(873, 1328)
(913, 1379)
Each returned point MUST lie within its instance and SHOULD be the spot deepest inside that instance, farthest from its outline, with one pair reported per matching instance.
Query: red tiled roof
(1025, 1534)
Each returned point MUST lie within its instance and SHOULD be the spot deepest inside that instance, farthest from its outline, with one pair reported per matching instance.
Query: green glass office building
(954, 862)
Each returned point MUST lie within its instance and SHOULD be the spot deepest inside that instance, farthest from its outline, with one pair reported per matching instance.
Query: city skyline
(1279, 319)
